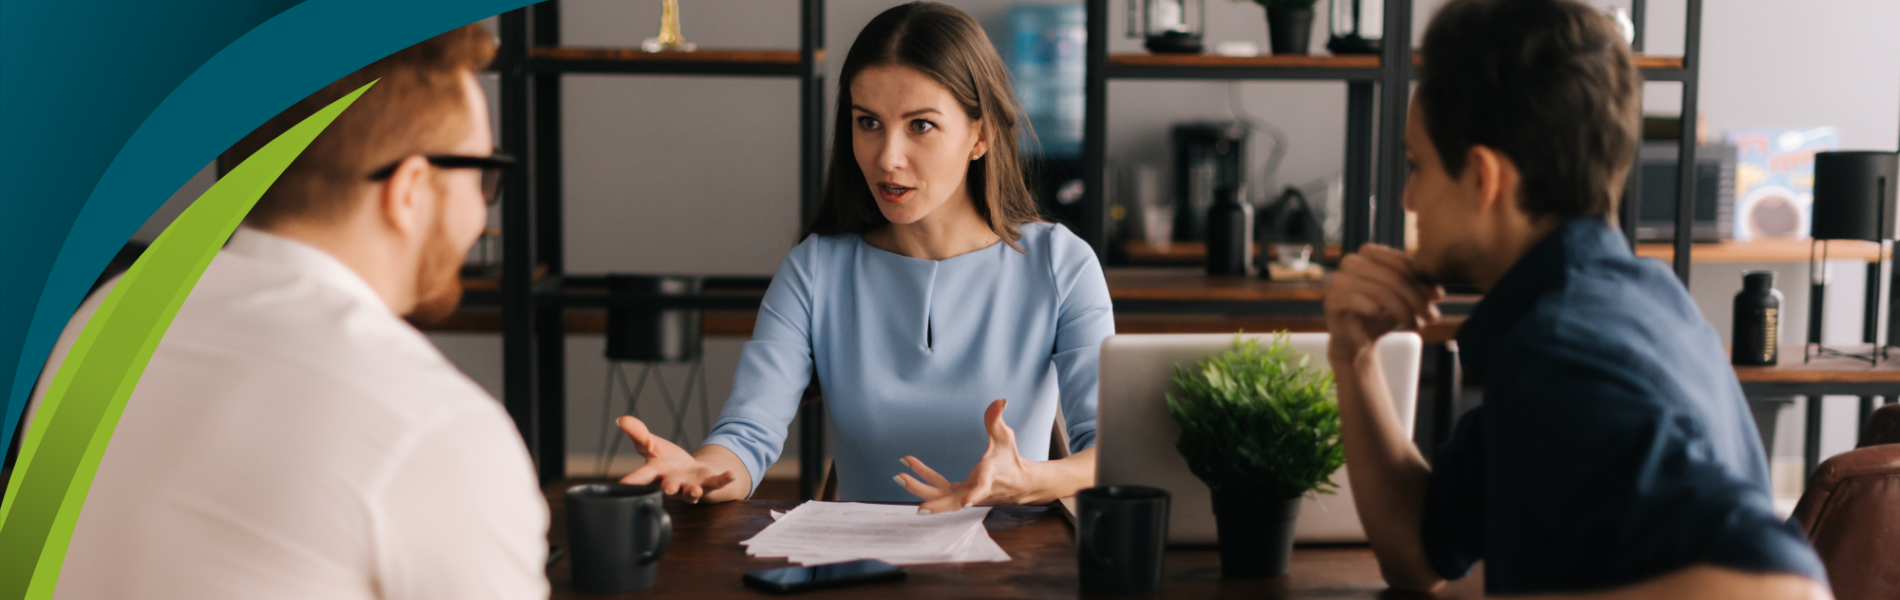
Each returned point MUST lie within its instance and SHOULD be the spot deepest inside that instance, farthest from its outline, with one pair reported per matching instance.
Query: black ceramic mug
(616, 535)
(1121, 536)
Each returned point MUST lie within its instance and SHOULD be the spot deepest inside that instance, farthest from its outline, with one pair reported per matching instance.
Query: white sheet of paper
(828, 532)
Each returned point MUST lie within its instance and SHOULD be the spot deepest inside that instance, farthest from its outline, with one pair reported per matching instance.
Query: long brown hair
(950, 47)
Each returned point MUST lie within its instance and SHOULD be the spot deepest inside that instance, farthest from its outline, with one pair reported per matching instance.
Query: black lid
(1756, 281)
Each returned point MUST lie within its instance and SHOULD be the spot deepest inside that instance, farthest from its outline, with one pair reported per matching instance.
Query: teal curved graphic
(107, 107)
(82, 406)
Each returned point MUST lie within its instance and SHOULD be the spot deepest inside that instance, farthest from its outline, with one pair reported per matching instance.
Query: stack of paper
(819, 533)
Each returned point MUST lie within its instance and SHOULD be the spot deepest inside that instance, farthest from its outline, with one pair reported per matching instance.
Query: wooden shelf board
(1440, 332)
(1282, 61)
(487, 319)
(1192, 253)
(1316, 61)
(1644, 61)
(1761, 251)
(739, 323)
(1139, 283)
(1791, 369)
(578, 54)
(1186, 285)
(489, 284)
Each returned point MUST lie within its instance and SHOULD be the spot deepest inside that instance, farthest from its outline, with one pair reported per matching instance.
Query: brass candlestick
(669, 39)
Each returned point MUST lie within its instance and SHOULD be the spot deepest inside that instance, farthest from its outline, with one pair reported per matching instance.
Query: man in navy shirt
(1614, 455)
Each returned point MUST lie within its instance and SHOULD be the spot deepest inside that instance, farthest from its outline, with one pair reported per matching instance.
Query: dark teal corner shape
(106, 108)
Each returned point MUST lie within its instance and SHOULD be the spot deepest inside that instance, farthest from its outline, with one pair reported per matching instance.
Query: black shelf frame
(1689, 75)
(1377, 99)
(533, 332)
(533, 320)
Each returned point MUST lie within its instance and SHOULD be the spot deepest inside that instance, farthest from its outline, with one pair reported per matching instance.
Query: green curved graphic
(61, 451)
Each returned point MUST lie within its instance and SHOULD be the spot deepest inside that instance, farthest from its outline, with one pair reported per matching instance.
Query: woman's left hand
(1001, 477)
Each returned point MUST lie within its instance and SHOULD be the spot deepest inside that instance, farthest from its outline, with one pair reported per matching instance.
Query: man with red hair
(293, 436)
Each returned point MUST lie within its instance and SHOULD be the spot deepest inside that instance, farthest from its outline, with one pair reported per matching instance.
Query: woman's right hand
(678, 472)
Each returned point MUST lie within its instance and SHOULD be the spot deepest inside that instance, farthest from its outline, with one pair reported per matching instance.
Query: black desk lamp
(1853, 200)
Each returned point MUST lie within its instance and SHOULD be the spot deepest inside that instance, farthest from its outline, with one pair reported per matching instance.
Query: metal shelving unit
(1363, 76)
(1377, 95)
(1688, 72)
(535, 288)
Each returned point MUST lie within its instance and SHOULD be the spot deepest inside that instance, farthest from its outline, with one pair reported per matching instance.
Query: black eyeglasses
(491, 166)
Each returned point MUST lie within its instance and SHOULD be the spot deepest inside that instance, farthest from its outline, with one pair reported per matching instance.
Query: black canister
(653, 334)
(1229, 233)
(1757, 320)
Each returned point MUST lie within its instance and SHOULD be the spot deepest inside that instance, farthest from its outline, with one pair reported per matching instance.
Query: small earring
(976, 156)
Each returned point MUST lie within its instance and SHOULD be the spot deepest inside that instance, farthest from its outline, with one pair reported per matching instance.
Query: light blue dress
(910, 352)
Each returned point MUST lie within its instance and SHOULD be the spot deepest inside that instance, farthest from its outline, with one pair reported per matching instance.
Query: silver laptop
(1135, 438)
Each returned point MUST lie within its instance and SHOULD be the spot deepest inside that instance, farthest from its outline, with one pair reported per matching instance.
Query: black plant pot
(653, 334)
(1256, 535)
(1289, 30)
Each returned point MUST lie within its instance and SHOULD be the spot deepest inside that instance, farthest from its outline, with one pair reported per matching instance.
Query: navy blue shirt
(1614, 443)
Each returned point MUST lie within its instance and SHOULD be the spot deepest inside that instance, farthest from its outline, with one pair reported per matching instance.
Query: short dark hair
(1549, 83)
(418, 107)
(950, 47)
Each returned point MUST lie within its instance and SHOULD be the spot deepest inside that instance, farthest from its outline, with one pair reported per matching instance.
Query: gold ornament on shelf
(669, 39)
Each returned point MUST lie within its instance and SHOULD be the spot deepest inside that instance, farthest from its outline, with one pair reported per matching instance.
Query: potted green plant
(1289, 25)
(1261, 427)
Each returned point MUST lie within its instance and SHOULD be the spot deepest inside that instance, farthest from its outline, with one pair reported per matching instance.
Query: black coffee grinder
(1208, 156)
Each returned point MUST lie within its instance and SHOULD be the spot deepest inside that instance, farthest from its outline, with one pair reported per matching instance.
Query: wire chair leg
(633, 406)
(705, 406)
(686, 403)
(606, 421)
(659, 377)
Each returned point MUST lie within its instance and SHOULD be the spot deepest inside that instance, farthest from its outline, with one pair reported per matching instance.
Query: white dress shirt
(292, 438)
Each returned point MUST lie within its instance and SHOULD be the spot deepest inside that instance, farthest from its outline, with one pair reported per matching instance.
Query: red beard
(438, 277)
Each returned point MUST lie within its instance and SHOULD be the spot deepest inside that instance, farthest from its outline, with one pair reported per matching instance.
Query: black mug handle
(662, 528)
(1091, 521)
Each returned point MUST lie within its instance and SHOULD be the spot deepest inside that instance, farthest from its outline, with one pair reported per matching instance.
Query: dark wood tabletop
(705, 561)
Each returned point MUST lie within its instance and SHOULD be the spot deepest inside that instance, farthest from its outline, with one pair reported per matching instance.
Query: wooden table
(705, 561)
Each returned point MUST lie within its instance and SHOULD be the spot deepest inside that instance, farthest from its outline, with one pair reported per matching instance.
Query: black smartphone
(803, 579)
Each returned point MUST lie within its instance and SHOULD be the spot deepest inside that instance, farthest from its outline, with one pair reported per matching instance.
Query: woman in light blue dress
(945, 321)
